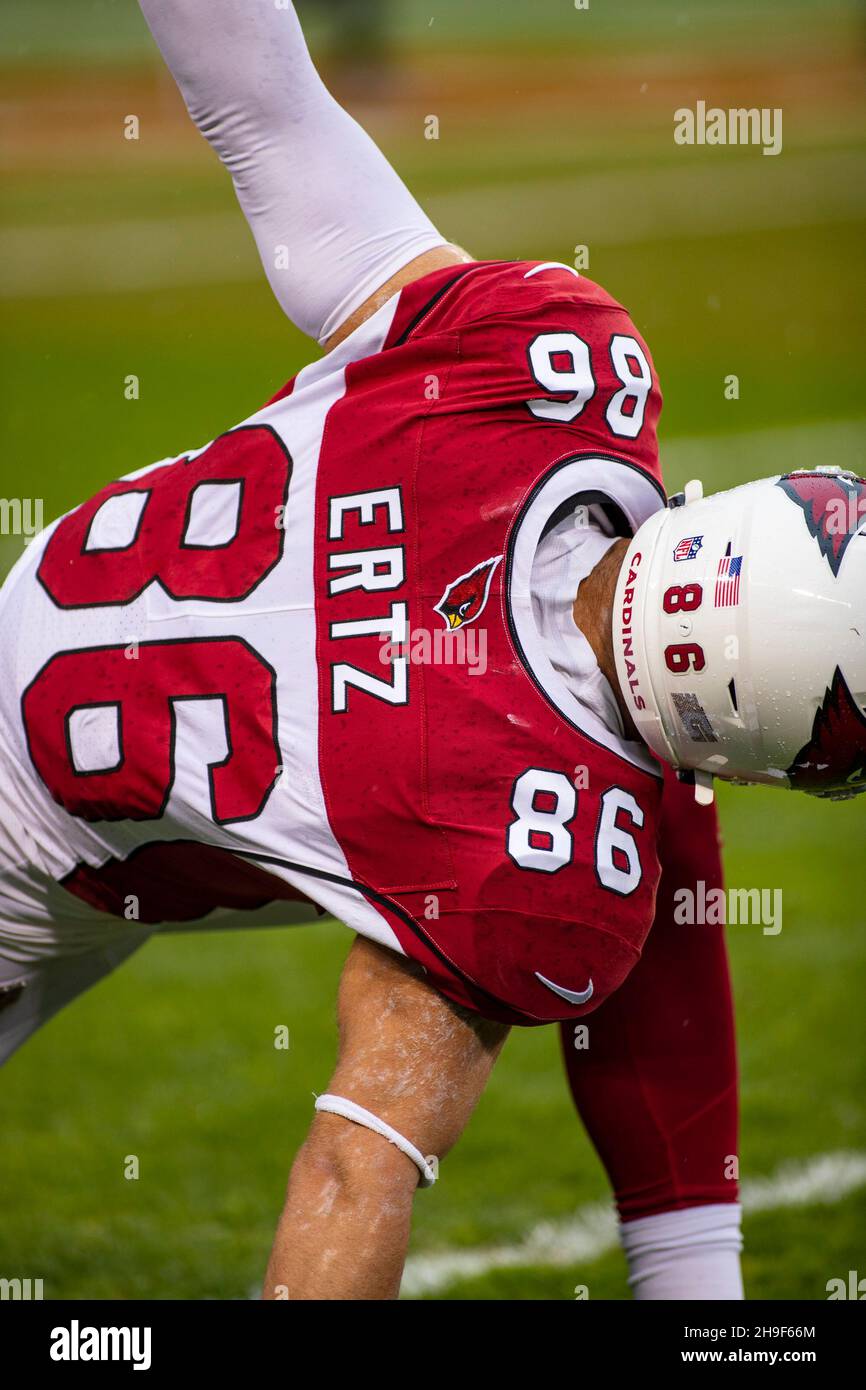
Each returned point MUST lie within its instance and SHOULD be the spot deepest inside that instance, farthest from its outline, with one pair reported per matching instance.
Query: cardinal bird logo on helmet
(834, 508)
(465, 599)
(833, 762)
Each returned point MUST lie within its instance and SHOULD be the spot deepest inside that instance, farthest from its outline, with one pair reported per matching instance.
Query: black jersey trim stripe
(384, 901)
(371, 893)
(431, 304)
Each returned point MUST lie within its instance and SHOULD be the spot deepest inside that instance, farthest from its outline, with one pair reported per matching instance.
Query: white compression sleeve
(689, 1254)
(332, 220)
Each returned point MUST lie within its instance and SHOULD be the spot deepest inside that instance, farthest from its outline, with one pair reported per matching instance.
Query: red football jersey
(336, 684)
(505, 840)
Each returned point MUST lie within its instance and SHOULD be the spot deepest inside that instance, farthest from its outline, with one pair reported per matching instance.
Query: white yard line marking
(592, 1231)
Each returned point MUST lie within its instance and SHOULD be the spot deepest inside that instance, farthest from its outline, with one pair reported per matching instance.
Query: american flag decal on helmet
(728, 580)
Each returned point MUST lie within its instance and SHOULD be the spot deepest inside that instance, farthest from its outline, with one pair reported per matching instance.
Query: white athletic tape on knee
(338, 1105)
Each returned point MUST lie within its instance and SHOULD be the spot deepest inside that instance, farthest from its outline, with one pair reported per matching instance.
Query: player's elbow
(346, 1165)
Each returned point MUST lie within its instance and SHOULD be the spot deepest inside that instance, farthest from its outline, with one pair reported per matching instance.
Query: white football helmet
(739, 629)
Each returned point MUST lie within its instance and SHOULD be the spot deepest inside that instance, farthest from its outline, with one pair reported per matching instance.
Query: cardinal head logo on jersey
(834, 508)
(465, 599)
(833, 762)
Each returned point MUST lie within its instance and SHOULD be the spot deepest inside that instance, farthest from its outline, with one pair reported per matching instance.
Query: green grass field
(123, 258)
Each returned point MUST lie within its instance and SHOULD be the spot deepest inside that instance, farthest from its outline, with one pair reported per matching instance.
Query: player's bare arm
(419, 1064)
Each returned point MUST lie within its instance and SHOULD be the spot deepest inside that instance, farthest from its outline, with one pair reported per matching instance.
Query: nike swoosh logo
(552, 265)
(574, 996)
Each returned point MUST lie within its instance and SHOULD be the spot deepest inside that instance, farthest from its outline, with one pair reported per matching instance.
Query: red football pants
(656, 1087)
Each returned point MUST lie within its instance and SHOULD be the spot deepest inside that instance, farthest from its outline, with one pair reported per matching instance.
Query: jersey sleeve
(519, 968)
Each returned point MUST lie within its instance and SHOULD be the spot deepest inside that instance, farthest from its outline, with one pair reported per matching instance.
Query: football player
(239, 689)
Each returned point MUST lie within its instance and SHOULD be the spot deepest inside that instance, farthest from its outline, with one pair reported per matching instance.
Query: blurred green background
(126, 257)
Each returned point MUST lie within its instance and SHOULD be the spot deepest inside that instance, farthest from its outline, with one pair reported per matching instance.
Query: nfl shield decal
(688, 547)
